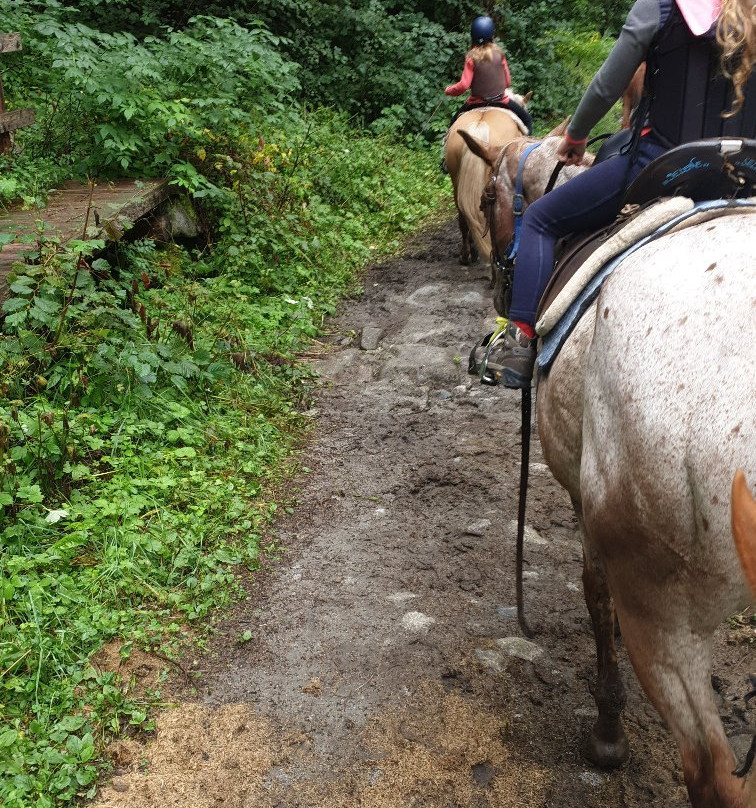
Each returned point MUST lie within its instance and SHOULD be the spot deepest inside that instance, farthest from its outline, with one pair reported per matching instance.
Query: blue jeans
(587, 202)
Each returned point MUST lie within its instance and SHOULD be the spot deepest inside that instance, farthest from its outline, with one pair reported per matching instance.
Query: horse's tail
(744, 526)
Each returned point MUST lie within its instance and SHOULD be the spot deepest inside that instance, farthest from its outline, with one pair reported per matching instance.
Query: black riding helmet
(482, 30)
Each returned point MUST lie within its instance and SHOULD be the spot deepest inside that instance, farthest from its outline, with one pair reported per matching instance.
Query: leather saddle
(717, 168)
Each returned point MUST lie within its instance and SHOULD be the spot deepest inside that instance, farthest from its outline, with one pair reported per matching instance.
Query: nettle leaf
(41, 316)
(17, 318)
(15, 303)
(48, 306)
(23, 285)
(11, 347)
(180, 383)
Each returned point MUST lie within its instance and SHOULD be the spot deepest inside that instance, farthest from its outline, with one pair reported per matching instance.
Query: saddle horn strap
(518, 200)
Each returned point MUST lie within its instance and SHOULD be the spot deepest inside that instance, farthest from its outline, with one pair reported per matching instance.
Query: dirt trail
(385, 668)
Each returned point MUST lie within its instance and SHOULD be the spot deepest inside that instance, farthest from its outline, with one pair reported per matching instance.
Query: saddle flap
(572, 253)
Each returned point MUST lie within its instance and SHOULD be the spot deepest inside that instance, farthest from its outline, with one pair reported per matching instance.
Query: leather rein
(488, 206)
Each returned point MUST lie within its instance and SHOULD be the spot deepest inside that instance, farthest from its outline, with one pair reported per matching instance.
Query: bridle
(488, 205)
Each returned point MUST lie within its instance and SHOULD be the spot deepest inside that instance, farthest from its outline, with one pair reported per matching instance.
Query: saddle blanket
(675, 213)
(645, 223)
(516, 118)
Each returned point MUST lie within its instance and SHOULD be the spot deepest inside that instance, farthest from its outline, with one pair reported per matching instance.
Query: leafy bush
(147, 397)
(377, 60)
(108, 104)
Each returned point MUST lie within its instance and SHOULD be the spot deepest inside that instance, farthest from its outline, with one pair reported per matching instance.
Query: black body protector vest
(687, 92)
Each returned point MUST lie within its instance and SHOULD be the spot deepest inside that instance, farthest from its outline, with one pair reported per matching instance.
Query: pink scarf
(699, 14)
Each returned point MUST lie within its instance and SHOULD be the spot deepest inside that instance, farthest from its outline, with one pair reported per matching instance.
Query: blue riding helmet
(482, 30)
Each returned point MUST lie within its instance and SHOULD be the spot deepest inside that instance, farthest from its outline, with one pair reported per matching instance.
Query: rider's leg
(590, 200)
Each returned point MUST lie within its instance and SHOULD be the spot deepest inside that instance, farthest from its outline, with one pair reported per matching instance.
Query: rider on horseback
(486, 75)
(699, 85)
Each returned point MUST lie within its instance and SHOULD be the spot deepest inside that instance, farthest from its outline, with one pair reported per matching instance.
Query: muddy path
(385, 667)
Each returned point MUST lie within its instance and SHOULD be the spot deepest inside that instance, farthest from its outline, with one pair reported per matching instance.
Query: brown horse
(495, 127)
(632, 95)
(647, 449)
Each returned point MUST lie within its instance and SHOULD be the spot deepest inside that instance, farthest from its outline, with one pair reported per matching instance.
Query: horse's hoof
(606, 754)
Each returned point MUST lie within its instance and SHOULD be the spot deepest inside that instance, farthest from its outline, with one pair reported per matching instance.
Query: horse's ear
(485, 151)
(559, 130)
(526, 98)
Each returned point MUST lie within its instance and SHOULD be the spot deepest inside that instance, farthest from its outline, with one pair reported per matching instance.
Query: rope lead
(524, 469)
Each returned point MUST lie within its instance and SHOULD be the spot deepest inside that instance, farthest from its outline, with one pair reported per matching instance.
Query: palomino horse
(494, 126)
(643, 417)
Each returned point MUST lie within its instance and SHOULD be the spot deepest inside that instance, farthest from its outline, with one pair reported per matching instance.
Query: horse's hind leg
(607, 744)
(674, 666)
(468, 254)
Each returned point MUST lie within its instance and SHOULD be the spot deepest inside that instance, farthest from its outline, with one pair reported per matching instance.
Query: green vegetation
(151, 398)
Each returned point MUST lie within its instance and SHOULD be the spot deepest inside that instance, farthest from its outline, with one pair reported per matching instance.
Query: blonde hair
(736, 36)
(483, 53)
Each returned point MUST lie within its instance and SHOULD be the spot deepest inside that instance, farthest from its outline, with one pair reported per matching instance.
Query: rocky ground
(386, 668)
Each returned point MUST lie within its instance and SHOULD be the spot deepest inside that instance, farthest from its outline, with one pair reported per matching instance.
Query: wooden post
(10, 121)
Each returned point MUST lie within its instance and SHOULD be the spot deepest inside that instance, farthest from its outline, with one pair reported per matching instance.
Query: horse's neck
(568, 172)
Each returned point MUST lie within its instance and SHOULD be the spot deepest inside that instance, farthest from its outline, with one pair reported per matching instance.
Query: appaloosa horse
(644, 416)
(494, 126)
(500, 189)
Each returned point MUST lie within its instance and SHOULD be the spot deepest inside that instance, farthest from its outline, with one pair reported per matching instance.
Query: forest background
(153, 395)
